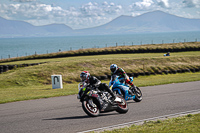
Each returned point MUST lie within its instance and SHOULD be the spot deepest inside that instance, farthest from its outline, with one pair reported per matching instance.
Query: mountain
(57, 29)
(12, 28)
(156, 21)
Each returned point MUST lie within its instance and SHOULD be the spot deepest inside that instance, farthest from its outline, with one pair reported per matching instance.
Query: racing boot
(114, 100)
(117, 99)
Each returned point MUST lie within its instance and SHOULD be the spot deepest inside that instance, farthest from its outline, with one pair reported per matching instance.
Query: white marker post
(56, 81)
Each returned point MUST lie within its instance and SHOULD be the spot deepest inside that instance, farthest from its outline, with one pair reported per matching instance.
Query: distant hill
(156, 21)
(12, 28)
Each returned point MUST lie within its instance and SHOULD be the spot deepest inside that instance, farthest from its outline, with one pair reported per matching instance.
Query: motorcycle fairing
(119, 87)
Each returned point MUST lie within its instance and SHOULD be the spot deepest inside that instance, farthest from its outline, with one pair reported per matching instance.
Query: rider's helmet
(113, 68)
(85, 75)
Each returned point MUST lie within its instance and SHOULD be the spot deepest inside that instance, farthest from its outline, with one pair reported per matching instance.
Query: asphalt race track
(65, 114)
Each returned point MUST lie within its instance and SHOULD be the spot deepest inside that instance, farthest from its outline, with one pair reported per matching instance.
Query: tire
(138, 95)
(122, 107)
(89, 110)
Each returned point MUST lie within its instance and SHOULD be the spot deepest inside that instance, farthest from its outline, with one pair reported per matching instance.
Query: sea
(18, 47)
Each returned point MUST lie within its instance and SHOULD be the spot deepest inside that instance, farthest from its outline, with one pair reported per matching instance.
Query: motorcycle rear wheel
(89, 110)
(122, 106)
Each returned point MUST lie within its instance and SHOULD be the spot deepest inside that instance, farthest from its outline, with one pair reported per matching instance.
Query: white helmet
(113, 68)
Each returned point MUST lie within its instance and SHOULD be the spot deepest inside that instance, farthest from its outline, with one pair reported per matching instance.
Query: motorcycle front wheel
(91, 110)
(138, 94)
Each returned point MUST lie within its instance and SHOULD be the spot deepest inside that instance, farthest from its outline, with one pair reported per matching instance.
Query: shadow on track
(131, 102)
(81, 117)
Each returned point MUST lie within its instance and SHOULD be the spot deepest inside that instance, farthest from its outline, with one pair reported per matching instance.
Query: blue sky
(80, 14)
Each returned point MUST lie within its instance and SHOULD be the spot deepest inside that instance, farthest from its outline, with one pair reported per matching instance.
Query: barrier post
(56, 81)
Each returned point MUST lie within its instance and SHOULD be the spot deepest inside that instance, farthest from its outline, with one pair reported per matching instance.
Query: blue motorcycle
(119, 87)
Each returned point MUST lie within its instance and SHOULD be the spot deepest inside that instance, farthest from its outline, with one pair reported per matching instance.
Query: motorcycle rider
(93, 82)
(115, 70)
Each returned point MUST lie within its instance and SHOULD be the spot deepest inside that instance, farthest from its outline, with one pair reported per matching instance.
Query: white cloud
(163, 3)
(90, 14)
(144, 5)
(191, 3)
(95, 9)
(22, 0)
(133, 14)
(94, 14)
(28, 11)
(91, 9)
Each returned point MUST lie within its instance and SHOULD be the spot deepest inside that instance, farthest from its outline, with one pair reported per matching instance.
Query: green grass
(71, 67)
(111, 57)
(186, 124)
(17, 93)
(34, 82)
(23, 91)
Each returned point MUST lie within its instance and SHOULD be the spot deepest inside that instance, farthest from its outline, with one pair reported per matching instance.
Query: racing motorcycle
(95, 101)
(119, 86)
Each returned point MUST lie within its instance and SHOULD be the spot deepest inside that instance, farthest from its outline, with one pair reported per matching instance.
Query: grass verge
(33, 82)
(28, 92)
(185, 124)
(71, 67)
